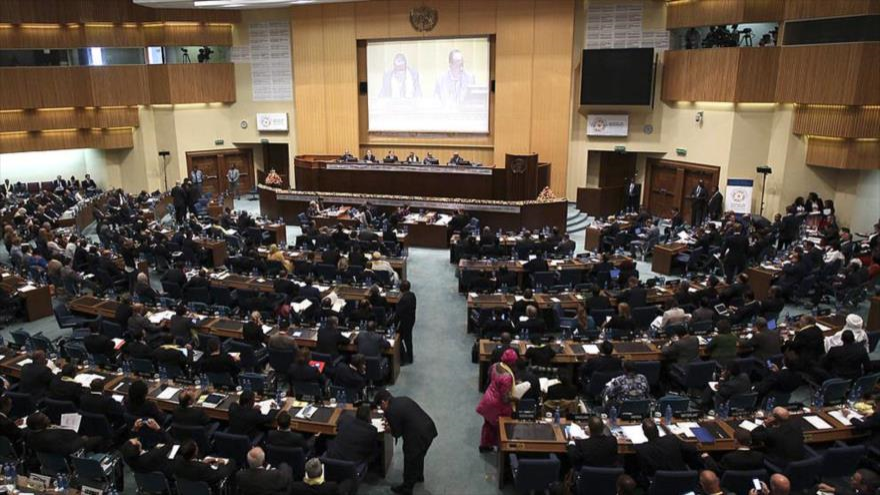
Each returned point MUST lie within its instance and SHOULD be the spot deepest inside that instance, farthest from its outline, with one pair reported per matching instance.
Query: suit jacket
(595, 451)
(665, 453)
(738, 460)
(288, 439)
(190, 416)
(327, 488)
(200, 471)
(405, 311)
(55, 441)
(783, 443)
(735, 385)
(345, 376)
(35, 379)
(765, 344)
(329, 340)
(61, 389)
(9, 429)
(371, 344)
(716, 205)
(355, 440)
(152, 460)
(98, 403)
(220, 363)
(683, 350)
(265, 481)
(408, 420)
(848, 361)
(100, 344)
(303, 373)
(246, 420)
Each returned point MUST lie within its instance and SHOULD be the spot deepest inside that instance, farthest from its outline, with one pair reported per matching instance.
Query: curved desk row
(506, 215)
(325, 173)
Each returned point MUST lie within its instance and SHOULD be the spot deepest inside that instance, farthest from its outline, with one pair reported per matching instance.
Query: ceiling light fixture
(210, 3)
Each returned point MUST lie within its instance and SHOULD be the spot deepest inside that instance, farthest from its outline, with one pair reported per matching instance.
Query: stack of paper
(301, 306)
(818, 423)
(547, 383)
(378, 424)
(576, 432)
(266, 406)
(845, 420)
(168, 393)
(71, 421)
(160, 316)
(748, 425)
(338, 305)
(86, 379)
(591, 349)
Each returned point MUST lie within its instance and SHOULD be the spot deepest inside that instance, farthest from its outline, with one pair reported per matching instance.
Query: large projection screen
(439, 85)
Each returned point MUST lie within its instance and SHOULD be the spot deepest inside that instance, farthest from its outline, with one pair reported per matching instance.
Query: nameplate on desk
(87, 490)
(687, 415)
(400, 167)
(39, 482)
(526, 415)
(632, 417)
(580, 417)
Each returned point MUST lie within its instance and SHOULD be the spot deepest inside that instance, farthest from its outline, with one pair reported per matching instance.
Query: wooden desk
(37, 301)
(664, 256)
(427, 235)
(760, 281)
(231, 328)
(217, 249)
(541, 437)
(398, 264)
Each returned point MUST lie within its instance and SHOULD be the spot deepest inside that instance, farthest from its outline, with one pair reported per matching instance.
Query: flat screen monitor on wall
(438, 85)
(617, 76)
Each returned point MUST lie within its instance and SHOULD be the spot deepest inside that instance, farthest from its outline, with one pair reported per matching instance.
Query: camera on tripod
(205, 54)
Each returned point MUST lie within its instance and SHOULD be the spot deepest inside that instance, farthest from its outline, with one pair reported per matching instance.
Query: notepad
(818, 423)
(173, 452)
(301, 306)
(591, 349)
(71, 421)
(822, 327)
(520, 389)
(306, 412)
(748, 425)
(847, 421)
(575, 432)
(168, 393)
(266, 406)
(25, 361)
(635, 434)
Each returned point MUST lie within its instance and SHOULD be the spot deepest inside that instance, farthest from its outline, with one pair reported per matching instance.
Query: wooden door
(669, 183)
(210, 167)
(661, 197)
(215, 163)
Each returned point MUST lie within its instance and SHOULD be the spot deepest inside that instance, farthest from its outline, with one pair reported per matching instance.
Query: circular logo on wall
(518, 165)
(423, 18)
(739, 195)
(265, 121)
(599, 125)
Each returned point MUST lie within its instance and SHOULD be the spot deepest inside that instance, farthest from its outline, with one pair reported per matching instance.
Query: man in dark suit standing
(735, 249)
(404, 418)
(699, 196)
(782, 437)
(178, 199)
(356, 437)
(633, 196)
(405, 314)
(716, 205)
(261, 480)
(597, 450)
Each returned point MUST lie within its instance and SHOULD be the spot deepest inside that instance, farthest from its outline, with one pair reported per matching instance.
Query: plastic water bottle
(126, 367)
(854, 396)
(612, 416)
(556, 416)
(89, 361)
(204, 380)
(724, 410)
(279, 396)
(769, 404)
(668, 414)
(818, 400)
(12, 475)
(246, 384)
(163, 374)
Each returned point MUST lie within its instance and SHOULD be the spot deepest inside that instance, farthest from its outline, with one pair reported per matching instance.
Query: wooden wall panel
(187, 34)
(67, 118)
(45, 87)
(200, 83)
(448, 18)
(703, 13)
(340, 77)
(756, 75)
(551, 96)
(513, 78)
(159, 82)
(713, 74)
(829, 74)
(676, 79)
(808, 9)
(114, 35)
(763, 11)
(837, 121)
(371, 19)
(477, 17)
(846, 154)
(308, 69)
(119, 85)
(398, 19)
(65, 11)
(14, 142)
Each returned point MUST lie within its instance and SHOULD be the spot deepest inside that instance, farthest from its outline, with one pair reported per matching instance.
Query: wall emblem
(423, 18)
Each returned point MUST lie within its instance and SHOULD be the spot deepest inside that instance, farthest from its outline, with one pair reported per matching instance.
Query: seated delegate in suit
(597, 450)
(8, 428)
(190, 467)
(219, 362)
(456, 159)
(260, 479)
(411, 158)
(282, 436)
(245, 419)
(370, 157)
(430, 159)
(35, 376)
(41, 436)
(187, 415)
(391, 158)
(604, 362)
(356, 437)
(98, 344)
(63, 387)
(741, 459)
(764, 342)
(330, 337)
(782, 437)
(147, 461)
(849, 360)
(95, 401)
(301, 371)
(666, 453)
(351, 375)
(533, 323)
(314, 483)
(347, 157)
(137, 405)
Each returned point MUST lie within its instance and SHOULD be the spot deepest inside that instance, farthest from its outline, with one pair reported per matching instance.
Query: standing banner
(738, 196)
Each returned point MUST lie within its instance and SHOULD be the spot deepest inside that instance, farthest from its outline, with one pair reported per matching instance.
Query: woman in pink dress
(497, 399)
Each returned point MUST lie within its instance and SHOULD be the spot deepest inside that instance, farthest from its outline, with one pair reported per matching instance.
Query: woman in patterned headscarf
(497, 400)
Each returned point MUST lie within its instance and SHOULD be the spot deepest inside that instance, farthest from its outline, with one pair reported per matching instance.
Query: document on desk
(547, 383)
(26, 361)
(168, 393)
(71, 421)
(338, 305)
(266, 406)
(591, 349)
(845, 420)
(818, 423)
(575, 432)
(267, 329)
(378, 424)
(635, 434)
(173, 452)
(822, 327)
(86, 379)
(160, 316)
(748, 425)
(301, 306)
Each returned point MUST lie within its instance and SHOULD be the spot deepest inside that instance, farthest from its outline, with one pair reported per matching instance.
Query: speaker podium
(522, 177)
